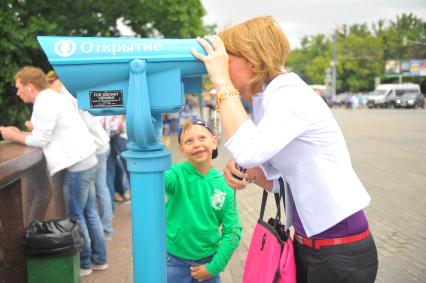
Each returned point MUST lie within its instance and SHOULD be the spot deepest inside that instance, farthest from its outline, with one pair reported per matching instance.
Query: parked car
(385, 95)
(410, 100)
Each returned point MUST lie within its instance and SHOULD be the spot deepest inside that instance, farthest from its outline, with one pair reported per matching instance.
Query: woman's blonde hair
(263, 43)
(33, 75)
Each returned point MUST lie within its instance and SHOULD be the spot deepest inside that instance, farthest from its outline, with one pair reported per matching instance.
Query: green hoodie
(196, 207)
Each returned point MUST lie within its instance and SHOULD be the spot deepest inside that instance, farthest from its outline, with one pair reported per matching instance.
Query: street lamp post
(334, 65)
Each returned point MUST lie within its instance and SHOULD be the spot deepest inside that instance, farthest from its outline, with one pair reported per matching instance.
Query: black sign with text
(106, 98)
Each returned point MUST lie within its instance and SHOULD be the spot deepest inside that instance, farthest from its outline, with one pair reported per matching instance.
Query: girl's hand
(216, 61)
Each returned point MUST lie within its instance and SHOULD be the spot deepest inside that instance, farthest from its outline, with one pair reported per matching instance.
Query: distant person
(354, 101)
(203, 226)
(118, 177)
(362, 100)
(189, 109)
(348, 100)
(291, 134)
(166, 129)
(67, 144)
(101, 139)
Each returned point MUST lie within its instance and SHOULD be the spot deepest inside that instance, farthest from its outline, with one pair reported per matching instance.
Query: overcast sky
(309, 17)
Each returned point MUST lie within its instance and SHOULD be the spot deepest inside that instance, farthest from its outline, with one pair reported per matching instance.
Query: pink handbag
(270, 258)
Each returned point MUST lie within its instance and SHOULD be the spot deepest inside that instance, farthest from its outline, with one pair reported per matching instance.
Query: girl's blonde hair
(262, 42)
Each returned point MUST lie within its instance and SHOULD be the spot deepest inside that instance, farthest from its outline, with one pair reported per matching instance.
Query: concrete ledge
(26, 192)
(15, 159)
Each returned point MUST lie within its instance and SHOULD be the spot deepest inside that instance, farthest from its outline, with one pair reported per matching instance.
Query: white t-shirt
(294, 135)
(60, 131)
(93, 123)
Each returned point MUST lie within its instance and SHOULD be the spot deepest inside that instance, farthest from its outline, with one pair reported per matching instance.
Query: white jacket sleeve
(44, 122)
(283, 120)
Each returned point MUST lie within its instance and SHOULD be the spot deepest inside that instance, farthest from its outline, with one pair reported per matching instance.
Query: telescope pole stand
(148, 213)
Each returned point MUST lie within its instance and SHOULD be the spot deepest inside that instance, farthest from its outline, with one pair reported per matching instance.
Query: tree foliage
(22, 20)
(361, 52)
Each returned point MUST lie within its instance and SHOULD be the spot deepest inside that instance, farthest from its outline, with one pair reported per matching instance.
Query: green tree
(391, 37)
(172, 19)
(22, 20)
(312, 59)
(359, 58)
(405, 25)
(361, 52)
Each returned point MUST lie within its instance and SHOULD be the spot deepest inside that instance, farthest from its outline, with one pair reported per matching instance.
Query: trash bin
(53, 251)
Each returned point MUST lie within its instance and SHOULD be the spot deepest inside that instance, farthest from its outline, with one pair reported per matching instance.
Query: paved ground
(388, 149)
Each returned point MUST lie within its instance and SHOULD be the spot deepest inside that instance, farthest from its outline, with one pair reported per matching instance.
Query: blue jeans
(80, 204)
(102, 193)
(178, 270)
(118, 178)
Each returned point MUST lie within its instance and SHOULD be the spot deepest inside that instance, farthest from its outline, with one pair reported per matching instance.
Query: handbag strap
(262, 207)
(277, 196)
(277, 203)
(282, 192)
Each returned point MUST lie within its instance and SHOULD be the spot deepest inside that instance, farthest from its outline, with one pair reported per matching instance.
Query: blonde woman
(292, 134)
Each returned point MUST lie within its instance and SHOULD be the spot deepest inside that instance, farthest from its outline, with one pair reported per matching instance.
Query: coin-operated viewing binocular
(139, 77)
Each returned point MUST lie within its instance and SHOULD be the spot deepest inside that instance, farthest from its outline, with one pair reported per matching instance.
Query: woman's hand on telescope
(216, 61)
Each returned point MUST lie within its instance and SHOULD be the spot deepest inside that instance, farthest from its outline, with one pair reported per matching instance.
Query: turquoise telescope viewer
(140, 78)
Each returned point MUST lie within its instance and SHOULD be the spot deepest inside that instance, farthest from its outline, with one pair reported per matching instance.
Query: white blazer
(294, 135)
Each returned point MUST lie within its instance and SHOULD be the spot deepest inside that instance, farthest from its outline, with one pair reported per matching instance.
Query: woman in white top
(291, 134)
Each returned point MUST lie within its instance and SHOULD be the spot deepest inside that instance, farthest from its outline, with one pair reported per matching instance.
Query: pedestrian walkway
(120, 265)
(388, 152)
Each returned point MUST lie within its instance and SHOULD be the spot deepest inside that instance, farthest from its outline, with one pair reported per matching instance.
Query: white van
(385, 95)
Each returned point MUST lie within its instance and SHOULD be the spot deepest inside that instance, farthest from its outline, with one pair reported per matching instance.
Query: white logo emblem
(65, 48)
(218, 199)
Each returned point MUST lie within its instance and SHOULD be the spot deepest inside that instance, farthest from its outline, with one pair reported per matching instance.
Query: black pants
(349, 263)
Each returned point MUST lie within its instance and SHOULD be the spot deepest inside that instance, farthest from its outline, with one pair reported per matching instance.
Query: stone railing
(26, 193)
